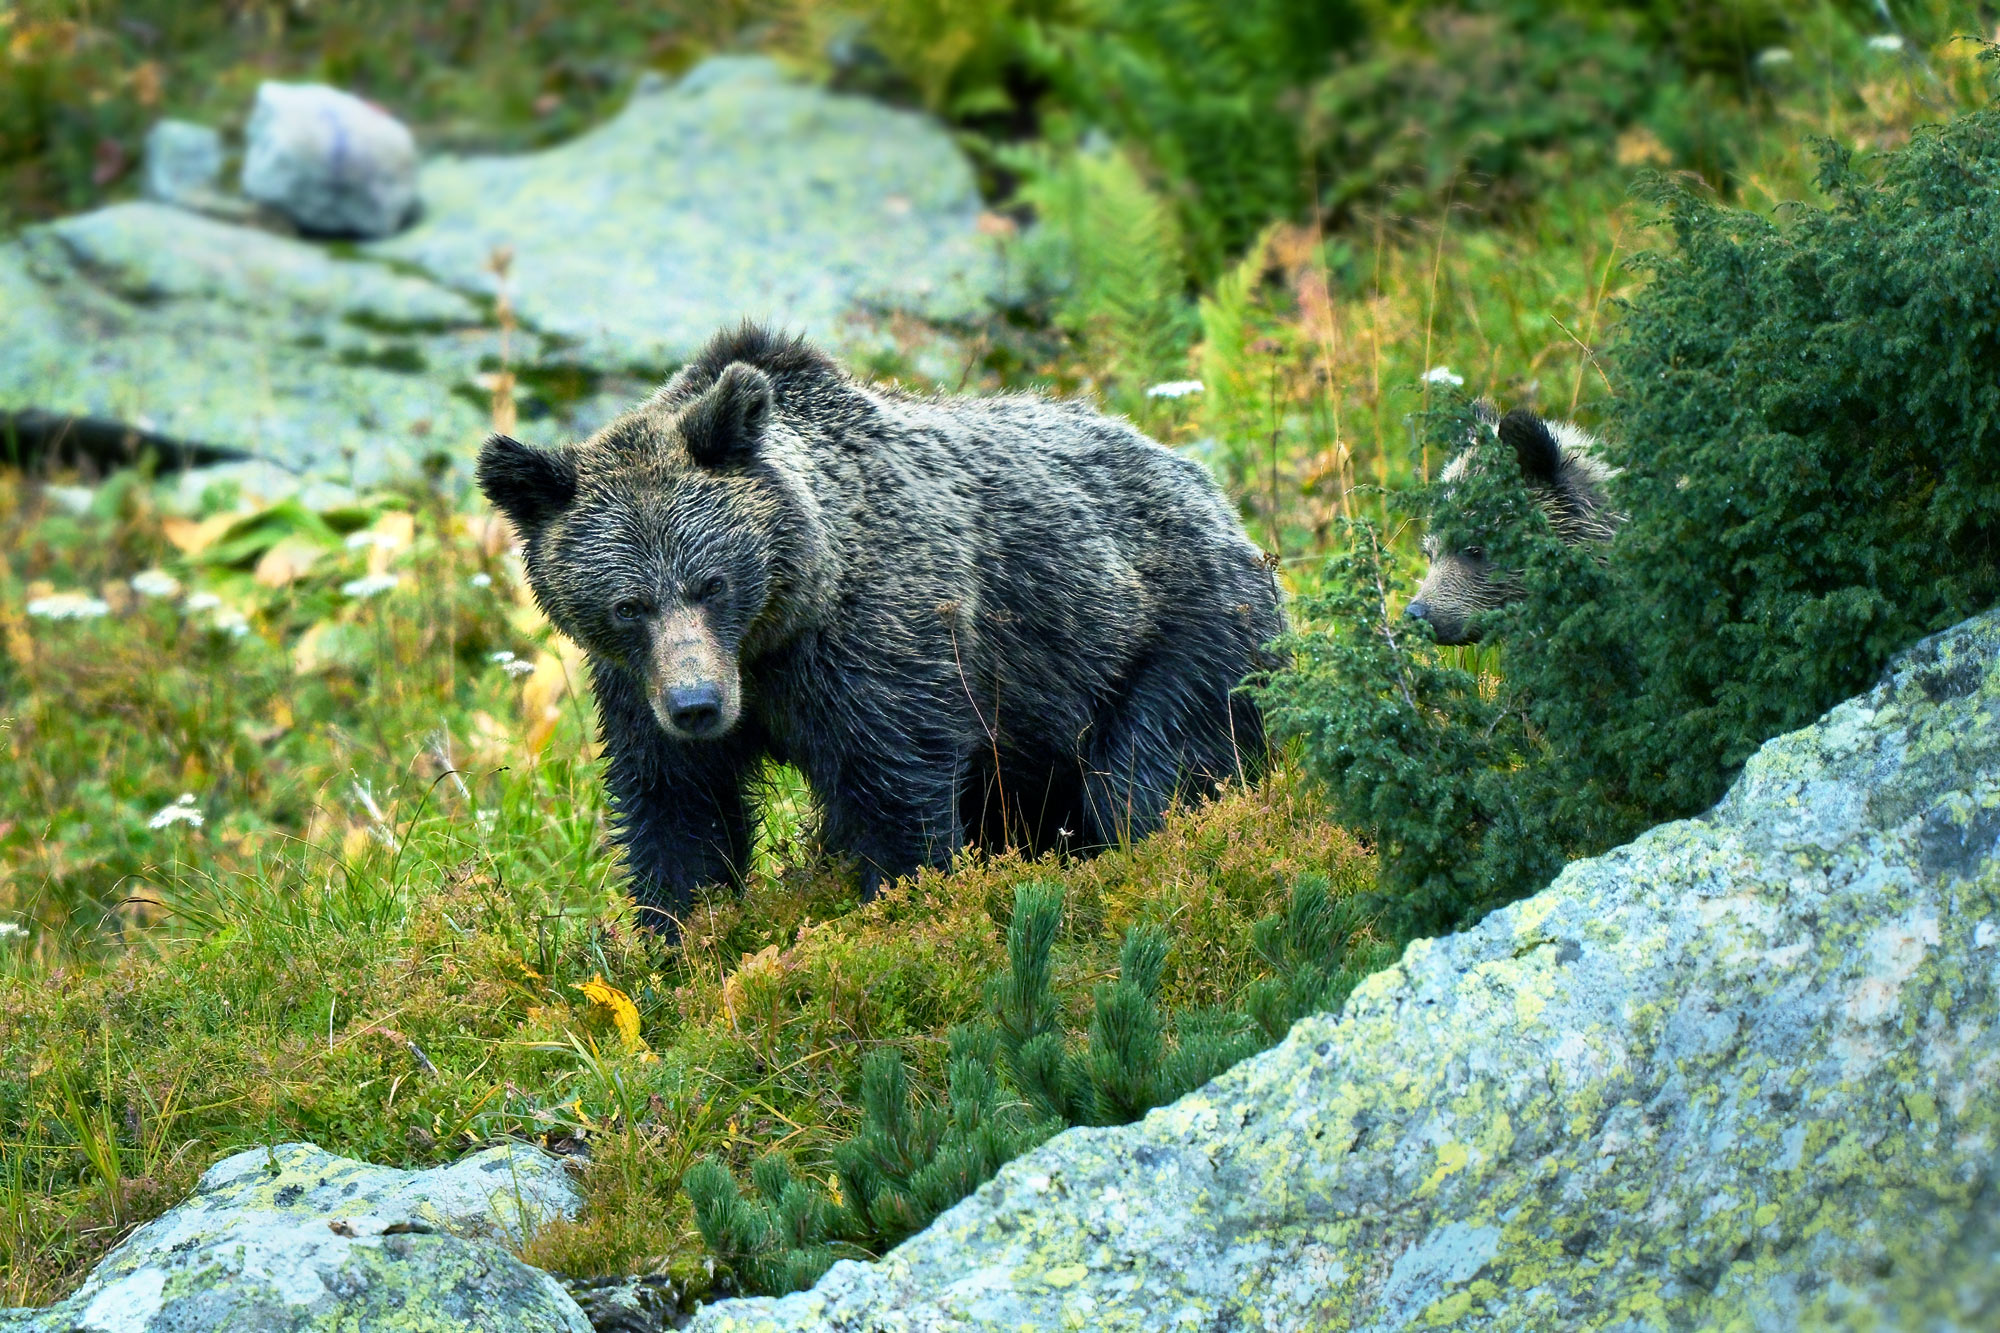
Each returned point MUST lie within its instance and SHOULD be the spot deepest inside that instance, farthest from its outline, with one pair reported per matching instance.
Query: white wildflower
(481, 580)
(1174, 389)
(519, 668)
(69, 606)
(1771, 57)
(1443, 375)
(501, 658)
(202, 601)
(180, 812)
(228, 620)
(357, 540)
(156, 583)
(71, 499)
(1885, 41)
(370, 584)
(8, 928)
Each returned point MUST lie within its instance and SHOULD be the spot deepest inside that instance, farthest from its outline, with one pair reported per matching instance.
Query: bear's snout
(695, 687)
(695, 711)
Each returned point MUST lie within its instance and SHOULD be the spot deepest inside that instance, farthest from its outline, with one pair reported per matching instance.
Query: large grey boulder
(332, 163)
(292, 1238)
(1743, 1073)
(733, 193)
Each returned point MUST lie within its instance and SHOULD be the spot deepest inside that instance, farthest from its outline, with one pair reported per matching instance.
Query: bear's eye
(631, 608)
(710, 588)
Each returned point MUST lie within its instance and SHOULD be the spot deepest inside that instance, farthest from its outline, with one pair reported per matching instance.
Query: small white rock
(329, 161)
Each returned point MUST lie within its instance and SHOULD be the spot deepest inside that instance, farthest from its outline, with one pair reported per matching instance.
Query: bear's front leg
(679, 808)
(895, 813)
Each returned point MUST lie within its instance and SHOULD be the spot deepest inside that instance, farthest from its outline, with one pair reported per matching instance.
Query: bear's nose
(696, 710)
(1418, 610)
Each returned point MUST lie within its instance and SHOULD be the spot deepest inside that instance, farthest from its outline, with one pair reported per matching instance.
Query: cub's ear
(1534, 446)
(530, 486)
(724, 426)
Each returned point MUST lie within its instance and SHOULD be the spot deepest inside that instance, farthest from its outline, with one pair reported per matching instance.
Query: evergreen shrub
(1808, 423)
(1018, 1077)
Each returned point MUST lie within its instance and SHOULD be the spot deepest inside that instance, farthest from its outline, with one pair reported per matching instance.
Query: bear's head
(669, 544)
(1559, 464)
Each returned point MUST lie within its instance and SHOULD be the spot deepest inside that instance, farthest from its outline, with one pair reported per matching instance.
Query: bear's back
(1022, 450)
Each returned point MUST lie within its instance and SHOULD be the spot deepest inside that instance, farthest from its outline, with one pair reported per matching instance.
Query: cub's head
(1567, 481)
(665, 544)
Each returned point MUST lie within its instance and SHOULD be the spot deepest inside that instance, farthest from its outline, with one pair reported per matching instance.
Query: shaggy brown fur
(965, 620)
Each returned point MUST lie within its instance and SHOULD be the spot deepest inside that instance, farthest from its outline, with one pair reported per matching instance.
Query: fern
(1109, 249)
(1205, 93)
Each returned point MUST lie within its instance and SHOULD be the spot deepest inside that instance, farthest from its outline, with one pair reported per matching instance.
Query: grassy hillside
(304, 838)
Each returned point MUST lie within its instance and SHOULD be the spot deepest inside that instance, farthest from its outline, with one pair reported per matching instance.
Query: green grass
(402, 849)
(378, 935)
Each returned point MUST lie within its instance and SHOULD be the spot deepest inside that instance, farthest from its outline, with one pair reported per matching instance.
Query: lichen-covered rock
(183, 162)
(734, 193)
(292, 1238)
(237, 340)
(332, 163)
(729, 194)
(1742, 1073)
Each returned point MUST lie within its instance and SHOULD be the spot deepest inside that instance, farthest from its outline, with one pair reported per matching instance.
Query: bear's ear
(530, 486)
(1534, 446)
(724, 426)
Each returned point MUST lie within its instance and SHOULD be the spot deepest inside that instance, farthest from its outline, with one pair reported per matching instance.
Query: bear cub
(966, 621)
(1561, 468)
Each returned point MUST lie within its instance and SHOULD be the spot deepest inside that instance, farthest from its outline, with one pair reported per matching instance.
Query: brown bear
(1560, 465)
(967, 621)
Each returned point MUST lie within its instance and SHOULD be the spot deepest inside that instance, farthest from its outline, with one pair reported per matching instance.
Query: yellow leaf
(556, 676)
(328, 644)
(192, 537)
(289, 558)
(392, 532)
(764, 963)
(612, 1007)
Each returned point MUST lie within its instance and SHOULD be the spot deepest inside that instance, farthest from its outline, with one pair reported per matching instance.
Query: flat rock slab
(236, 340)
(1742, 1073)
(293, 1238)
(731, 194)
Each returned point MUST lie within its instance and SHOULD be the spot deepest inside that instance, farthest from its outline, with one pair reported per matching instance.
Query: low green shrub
(1809, 427)
(1018, 1077)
